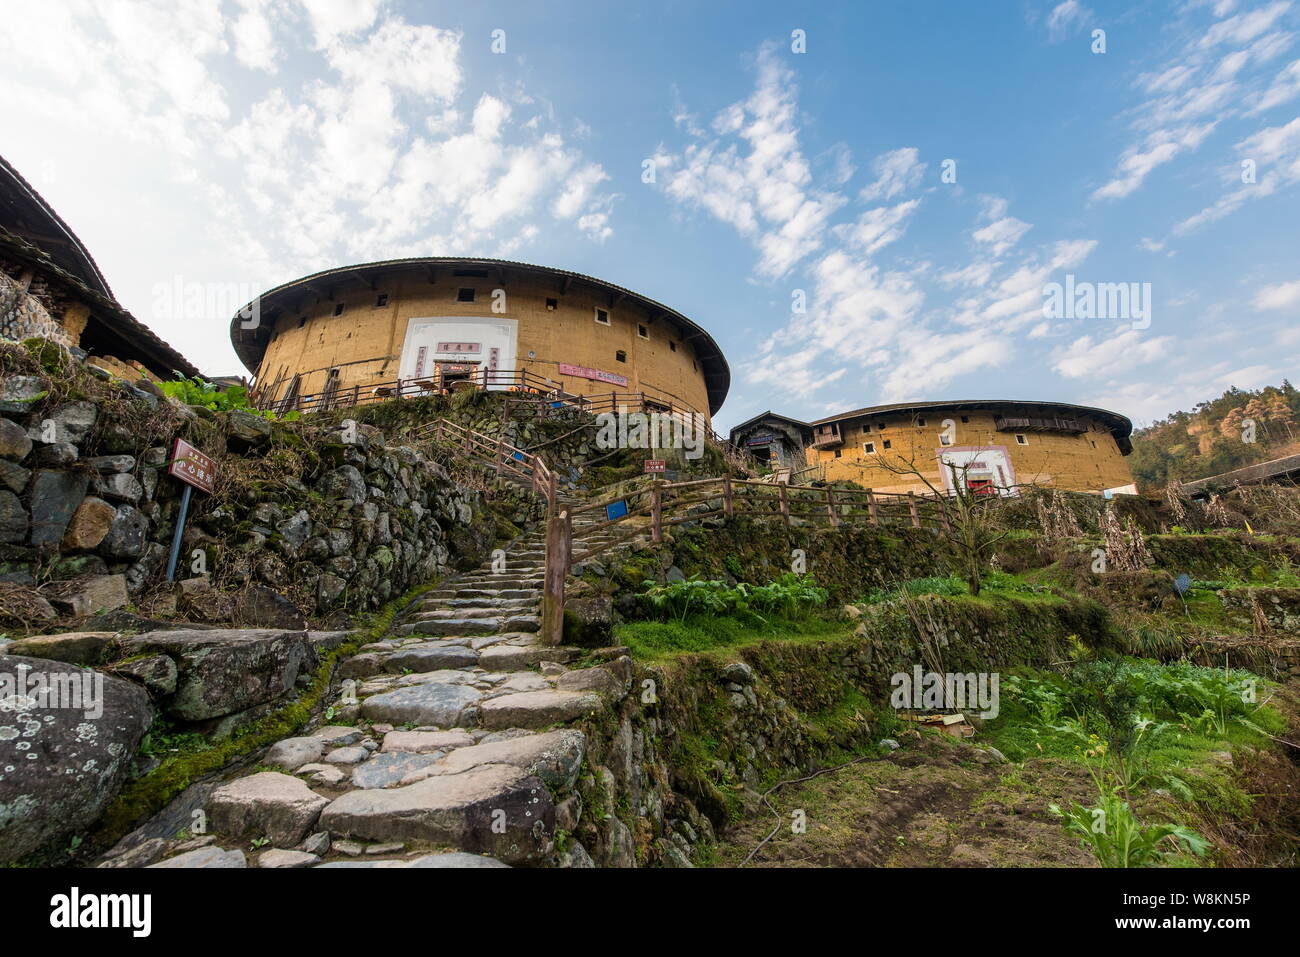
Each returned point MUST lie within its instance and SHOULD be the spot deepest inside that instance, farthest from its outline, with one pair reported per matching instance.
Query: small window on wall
(837, 453)
(381, 300)
(464, 295)
(888, 444)
(965, 418)
(642, 331)
(920, 422)
(1094, 444)
(869, 448)
(672, 345)
(302, 321)
(620, 356)
(1021, 440)
(552, 305)
(602, 316)
(338, 308)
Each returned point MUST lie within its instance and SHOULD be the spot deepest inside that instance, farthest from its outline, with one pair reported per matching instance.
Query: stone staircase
(451, 747)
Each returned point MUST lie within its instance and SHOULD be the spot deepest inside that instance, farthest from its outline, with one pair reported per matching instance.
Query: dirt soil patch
(936, 802)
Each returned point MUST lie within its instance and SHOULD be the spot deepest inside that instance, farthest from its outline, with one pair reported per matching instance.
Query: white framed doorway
(459, 348)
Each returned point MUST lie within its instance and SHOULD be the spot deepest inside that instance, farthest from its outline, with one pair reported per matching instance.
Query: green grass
(992, 584)
(657, 640)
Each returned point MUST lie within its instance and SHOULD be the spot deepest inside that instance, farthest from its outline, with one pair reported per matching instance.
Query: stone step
(490, 582)
(471, 626)
(468, 593)
(476, 601)
(495, 809)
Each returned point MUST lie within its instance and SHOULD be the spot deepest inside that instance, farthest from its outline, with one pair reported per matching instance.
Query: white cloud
(896, 172)
(332, 19)
(1213, 76)
(764, 191)
(1091, 358)
(1065, 17)
(878, 227)
(1285, 87)
(1275, 153)
(380, 152)
(1280, 295)
(1000, 235)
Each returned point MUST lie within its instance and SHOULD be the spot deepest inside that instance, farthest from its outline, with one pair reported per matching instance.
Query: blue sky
(251, 142)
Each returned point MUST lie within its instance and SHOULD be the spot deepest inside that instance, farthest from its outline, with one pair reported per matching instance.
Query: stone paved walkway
(455, 751)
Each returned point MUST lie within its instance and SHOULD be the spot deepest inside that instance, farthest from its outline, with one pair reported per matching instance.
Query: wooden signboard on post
(656, 465)
(192, 467)
(197, 471)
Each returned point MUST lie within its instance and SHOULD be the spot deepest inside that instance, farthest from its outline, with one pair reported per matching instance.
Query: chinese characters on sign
(656, 465)
(192, 467)
(460, 347)
(582, 372)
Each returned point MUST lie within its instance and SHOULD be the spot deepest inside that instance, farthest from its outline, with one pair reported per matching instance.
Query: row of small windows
(886, 444)
(467, 294)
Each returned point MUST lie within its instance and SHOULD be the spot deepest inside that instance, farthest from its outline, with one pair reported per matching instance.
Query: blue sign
(616, 510)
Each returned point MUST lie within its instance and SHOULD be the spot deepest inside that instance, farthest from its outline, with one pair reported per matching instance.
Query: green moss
(148, 794)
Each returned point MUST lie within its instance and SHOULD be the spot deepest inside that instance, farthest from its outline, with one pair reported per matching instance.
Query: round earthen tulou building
(427, 326)
(996, 446)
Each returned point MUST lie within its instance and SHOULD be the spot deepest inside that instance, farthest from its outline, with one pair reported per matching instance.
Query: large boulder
(14, 441)
(221, 671)
(70, 647)
(90, 523)
(89, 594)
(63, 755)
(19, 393)
(13, 519)
(73, 421)
(260, 607)
(126, 533)
(55, 497)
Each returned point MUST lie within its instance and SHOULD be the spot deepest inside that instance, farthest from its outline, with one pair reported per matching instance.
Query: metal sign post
(197, 471)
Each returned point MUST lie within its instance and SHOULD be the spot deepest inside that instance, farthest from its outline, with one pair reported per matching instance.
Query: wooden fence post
(911, 503)
(656, 514)
(830, 507)
(501, 453)
(785, 503)
(727, 505)
(872, 515)
(558, 541)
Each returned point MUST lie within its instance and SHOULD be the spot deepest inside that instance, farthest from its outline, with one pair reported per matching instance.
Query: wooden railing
(657, 505)
(500, 455)
(661, 505)
(523, 390)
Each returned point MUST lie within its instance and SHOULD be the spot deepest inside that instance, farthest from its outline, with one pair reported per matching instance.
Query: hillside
(1217, 435)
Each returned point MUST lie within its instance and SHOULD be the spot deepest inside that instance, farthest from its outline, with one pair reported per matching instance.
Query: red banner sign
(192, 467)
(582, 372)
(656, 465)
